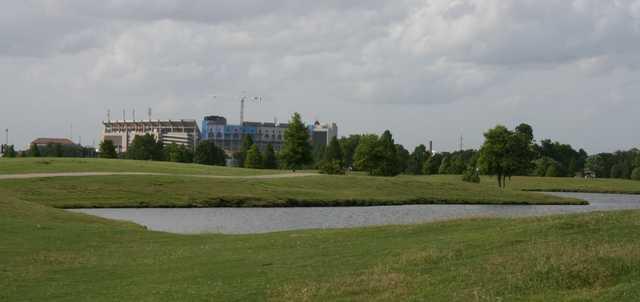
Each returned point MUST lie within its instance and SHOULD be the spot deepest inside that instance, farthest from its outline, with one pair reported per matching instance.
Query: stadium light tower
(243, 99)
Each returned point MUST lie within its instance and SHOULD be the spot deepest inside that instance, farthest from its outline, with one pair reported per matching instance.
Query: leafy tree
(317, 154)
(254, 158)
(471, 174)
(543, 164)
(9, 151)
(417, 160)
(504, 152)
(145, 147)
(332, 161)
(366, 156)
(568, 161)
(444, 165)
(552, 171)
(600, 164)
(403, 158)
(270, 158)
(247, 143)
(388, 156)
(620, 170)
(331, 166)
(178, 153)
(296, 151)
(432, 165)
(108, 149)
(635, 175)
(348, 146)
(333, 151)
(34, 151)
(207, 153)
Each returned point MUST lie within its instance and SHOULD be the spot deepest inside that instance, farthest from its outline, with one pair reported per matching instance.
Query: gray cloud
(424, 69)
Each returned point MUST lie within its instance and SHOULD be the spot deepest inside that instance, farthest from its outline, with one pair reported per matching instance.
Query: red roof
(46, 141)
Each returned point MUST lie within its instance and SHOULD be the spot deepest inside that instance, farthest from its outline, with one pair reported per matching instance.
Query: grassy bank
(48, 254)
(53, 165)
(551, 184)
(318, 190)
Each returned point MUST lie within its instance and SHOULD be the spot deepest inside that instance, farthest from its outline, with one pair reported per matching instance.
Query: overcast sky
(426, 70)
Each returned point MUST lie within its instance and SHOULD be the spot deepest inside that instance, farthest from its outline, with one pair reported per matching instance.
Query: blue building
(230, 137)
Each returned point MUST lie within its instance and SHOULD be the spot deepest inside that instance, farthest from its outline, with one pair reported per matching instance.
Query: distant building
(122, 133)
(230, 137)
(322, 134)
(43, 142)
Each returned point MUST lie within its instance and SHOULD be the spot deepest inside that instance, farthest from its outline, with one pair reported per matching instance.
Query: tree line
(50, 150)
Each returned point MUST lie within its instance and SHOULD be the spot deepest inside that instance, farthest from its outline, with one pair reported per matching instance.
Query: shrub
(635, 175)
(471, 175)
(331, 167)
(552, 171)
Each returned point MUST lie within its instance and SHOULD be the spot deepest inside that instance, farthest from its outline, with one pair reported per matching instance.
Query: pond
(263, 220)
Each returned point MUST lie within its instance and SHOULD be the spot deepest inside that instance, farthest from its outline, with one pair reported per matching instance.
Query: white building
(122, 133)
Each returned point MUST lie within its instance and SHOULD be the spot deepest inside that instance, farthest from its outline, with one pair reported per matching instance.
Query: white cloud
(425, 69)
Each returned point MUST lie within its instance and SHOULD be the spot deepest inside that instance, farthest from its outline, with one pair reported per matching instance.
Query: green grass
(551, 184)
(317, 190)
(53, 165)
(48, 254)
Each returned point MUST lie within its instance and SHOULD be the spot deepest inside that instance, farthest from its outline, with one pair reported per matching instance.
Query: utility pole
(6, 136)
(461, 139)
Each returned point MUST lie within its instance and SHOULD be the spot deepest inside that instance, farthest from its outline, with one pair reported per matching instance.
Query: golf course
(50, 254)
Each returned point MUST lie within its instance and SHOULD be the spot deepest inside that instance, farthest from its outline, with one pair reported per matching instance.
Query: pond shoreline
(265, 220)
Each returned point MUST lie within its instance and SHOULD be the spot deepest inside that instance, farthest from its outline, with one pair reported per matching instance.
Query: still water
(263, 220)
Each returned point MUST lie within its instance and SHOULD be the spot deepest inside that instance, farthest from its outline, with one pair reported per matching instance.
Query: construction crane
(244, 99)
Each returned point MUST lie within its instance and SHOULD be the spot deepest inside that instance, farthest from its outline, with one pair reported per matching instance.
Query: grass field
(318, 190)
(52, 165)
(178, 190)
(48, 254)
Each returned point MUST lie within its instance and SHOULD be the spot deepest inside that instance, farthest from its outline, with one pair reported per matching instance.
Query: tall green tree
(178, 153)
(332, 163)
(334, 151)
(505, 152)
(296, 151)
(403, 158)
(207, 153)
(254, 158)
(9, 151)
(417, 160)
(433, 163)
(145, 147)
(389, 165)
(367, 157)
(317, 154)
(348, 146)
(108, 149)
(270, 158)
(34, 151)
(247, 143)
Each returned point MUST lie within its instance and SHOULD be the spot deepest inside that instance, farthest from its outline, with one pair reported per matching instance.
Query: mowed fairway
(316, 190)
(54, 165)
(48, 254)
